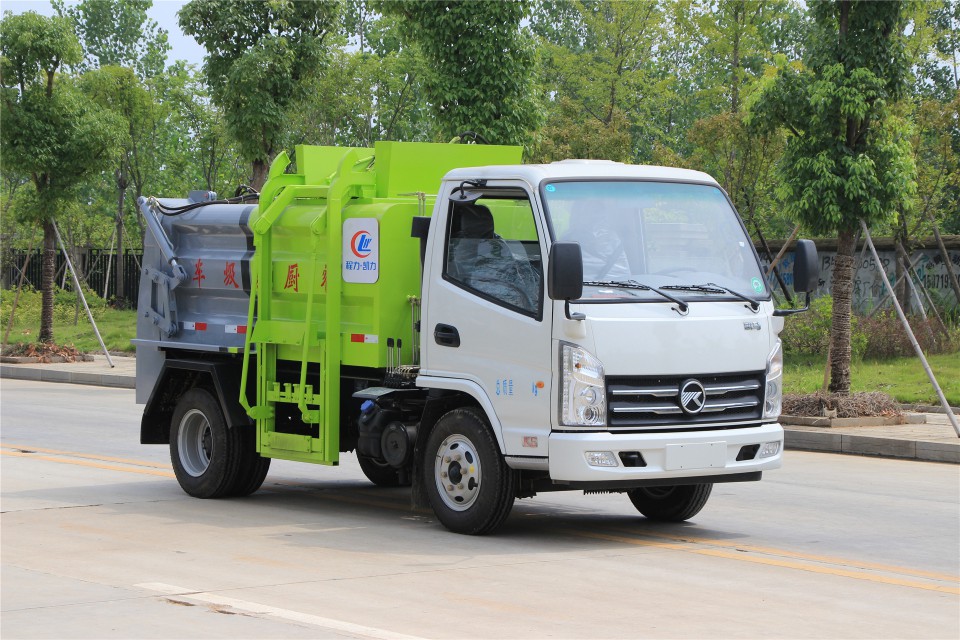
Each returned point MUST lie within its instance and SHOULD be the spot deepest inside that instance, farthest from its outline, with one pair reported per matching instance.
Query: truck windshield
(682, 237)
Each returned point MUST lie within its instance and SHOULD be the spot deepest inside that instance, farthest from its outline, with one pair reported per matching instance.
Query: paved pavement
(934, 440)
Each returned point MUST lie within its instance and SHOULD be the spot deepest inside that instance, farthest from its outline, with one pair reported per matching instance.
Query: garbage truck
(477, 328)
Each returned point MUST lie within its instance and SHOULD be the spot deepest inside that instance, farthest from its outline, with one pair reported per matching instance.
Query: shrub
(809, 333)
(886, 337)
(879, 337)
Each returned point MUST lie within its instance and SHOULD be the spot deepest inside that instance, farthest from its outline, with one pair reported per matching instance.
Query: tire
(474, 498)
(204, 452)
(671, 504)
(253, 467)
(380, 473)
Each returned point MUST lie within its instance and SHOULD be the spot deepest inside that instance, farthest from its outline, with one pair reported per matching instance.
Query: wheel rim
(195, 442)
(457, 472)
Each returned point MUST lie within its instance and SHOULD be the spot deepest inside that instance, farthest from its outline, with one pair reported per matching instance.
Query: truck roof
(534, 174)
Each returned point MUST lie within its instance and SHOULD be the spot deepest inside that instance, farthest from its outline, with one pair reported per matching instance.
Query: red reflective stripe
(356, 337)
(201, 326)
(241, 328)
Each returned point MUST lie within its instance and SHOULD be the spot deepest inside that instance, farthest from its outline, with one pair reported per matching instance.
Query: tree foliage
(602, 85)
(117, 33)
(259, 57)
(371, 87)
(482, 66)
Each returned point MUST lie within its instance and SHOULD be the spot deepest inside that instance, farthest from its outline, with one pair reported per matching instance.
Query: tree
(118, 33)
(847, 157)
(119, 90)
(371, 88)
(49, 129)
(259, 55)
(482, 66)
(735, 41)
(599, 65)
(118, 38)
(190, 138)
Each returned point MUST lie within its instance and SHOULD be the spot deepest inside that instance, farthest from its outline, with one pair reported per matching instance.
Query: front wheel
(671, 504)
(468, 483)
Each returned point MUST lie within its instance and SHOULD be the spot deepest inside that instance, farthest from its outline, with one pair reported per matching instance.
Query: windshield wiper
(683, 307)
(712, 287)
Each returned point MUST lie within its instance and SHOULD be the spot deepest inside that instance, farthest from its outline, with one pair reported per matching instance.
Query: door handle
(446, 335)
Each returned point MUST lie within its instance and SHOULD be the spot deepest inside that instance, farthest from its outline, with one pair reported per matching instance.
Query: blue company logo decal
(360, 244)
(551, 188)
(757, 285)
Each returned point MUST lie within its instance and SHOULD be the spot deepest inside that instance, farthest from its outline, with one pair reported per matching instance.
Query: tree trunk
(47, 282)
(260, 169)
(842, 288)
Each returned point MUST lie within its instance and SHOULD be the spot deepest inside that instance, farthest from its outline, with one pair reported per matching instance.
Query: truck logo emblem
(692, 397)
(361, 243)
(751, 326)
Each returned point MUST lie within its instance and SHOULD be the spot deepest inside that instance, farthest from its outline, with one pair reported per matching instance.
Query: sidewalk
(934, 441)
(97, 373)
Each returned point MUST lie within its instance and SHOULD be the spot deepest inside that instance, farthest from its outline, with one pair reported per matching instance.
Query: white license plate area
(704, 455)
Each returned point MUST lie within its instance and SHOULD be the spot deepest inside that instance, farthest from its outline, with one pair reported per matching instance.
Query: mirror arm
(572, 316)
(780, 313)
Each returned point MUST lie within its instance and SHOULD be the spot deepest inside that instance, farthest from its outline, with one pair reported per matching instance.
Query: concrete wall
(868, 287)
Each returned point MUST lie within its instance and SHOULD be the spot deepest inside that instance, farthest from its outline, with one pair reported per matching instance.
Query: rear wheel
(468, 483)
(253, 467)
(671, 504)
(204, 452)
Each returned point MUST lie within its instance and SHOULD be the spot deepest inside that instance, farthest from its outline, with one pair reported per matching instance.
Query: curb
(835, 423)
(928, 408)
(43, 374)
(860, 445)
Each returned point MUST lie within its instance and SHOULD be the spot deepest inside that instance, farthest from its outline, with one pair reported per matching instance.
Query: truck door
(487, 323)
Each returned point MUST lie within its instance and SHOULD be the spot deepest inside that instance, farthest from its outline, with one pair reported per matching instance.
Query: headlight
(584, 399)
(773, 397)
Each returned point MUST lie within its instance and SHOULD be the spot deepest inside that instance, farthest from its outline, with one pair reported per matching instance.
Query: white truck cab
(658, 364)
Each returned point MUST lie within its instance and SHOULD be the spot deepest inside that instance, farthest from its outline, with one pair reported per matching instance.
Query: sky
(163, 11)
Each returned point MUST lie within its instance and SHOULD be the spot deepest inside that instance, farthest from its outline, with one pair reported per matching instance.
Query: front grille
(654, 401)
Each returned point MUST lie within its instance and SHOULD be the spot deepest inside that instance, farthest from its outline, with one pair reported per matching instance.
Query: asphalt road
(98, 541)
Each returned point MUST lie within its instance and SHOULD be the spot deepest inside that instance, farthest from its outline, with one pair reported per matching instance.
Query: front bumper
(667, 455)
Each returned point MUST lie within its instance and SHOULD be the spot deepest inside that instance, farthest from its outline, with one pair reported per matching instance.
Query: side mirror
(565, 271)
(806, 267)
(806, 274)
(565, 275)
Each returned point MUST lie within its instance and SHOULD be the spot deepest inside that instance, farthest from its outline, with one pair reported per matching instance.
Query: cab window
(493, 251)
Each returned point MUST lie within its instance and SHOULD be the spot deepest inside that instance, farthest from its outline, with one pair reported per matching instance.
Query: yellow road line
(776, 562)
(75, 454)
(827, 565)
(796, 555)
(89, 463)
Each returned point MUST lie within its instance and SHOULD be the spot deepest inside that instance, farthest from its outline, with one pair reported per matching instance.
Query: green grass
(902, 378)
(116, 327)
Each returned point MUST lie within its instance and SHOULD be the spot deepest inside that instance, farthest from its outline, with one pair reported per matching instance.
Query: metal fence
(91, 265)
